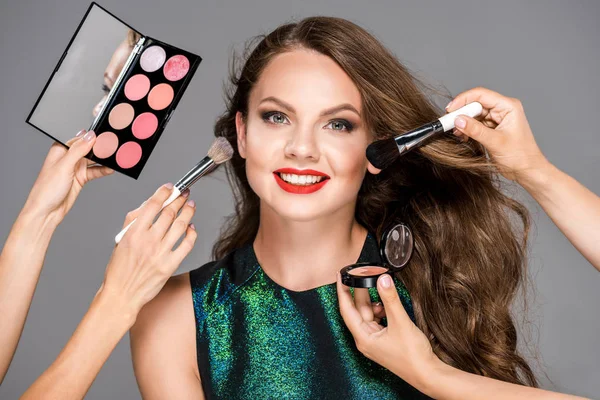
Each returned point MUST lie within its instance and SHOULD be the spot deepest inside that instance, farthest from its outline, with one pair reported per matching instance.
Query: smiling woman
(263, 319)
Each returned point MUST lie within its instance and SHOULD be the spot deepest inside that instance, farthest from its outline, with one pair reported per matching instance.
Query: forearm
(20, 266)
(72, 373)
(449, 383)
(572, 207)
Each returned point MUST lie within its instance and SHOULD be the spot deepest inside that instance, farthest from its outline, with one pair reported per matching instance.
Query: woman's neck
(303, 255)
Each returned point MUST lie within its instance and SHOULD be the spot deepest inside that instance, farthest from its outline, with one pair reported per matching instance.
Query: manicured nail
(80, 133)
(89, 136)
(185, 194)
(460, 122)
(449, 104)
(386, 281)
(192, 226)
(191, 203)
(377, 304)
(168, 185)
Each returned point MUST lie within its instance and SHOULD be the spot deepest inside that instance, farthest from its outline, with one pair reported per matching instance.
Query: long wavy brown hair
(470, 252)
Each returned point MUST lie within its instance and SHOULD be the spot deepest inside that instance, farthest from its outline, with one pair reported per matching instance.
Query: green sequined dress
(258, 340)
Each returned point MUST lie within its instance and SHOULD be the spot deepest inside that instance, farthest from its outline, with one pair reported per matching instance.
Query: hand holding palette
(142, 80)
(396, 248)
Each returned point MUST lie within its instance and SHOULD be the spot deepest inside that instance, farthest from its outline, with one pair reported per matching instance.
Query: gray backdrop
(545, 53)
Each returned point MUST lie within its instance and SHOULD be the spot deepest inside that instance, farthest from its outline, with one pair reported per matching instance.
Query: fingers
(362, 300)
(476, 130)
(132, 215)
(168, 215)
(153, 206)
(350, 314)
(378, 312)
(79, 149)
(488, 99)
(96, 172)
(186, 244)
(396, 314)
(58, 150)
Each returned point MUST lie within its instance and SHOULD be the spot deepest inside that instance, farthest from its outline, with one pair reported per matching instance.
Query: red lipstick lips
(300, 189)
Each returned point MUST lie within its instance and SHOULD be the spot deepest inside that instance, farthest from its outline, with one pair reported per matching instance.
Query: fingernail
(168, 185)
(89, 136)
(460, 122)
(185, 194)
(386, 281)
(377, 303)
(449, 104)
(192, 226)
(191, 203)
(80, 133)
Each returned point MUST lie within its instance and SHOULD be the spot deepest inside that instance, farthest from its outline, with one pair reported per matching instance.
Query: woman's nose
(303, 144)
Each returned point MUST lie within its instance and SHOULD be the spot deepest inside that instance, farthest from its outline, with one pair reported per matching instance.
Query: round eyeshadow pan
(367, 271)
(129, 155)
(153, 58)
(106, 145)
(176, 67)
(121, 116)
(160, 96)
(144, 125)
(137, 87)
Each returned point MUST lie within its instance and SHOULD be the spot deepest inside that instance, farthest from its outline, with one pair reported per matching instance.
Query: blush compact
(395, 249)
(119, 83)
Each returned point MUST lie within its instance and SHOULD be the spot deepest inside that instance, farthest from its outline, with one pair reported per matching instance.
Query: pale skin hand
(61, 178)
(138, 269)
(403, 349)
(505, 133)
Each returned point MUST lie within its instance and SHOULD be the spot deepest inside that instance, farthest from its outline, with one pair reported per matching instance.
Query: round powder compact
(137, 87)
(129, 155)
(395, 249)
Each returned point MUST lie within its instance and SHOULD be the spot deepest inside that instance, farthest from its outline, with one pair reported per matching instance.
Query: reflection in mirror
(80, 85)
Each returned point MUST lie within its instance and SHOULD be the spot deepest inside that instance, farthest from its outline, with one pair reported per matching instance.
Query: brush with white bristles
(219, 152)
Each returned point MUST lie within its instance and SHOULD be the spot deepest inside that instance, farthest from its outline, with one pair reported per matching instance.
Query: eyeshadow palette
(142, 78)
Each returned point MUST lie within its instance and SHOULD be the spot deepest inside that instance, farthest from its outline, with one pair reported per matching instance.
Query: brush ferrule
(417, 136)
(204, 167)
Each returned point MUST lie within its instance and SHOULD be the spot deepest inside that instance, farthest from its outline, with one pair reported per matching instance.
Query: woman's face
(114, 67)
(304, 113)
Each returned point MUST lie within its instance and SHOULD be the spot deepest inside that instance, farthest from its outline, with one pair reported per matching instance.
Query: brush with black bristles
(382, 153)
(219, 152)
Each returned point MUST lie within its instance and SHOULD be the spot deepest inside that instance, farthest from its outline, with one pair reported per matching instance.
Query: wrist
(36, 216)
(115, 308)
(537, 178)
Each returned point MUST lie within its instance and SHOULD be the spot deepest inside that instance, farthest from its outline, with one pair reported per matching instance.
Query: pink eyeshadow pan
(136, 87)
(367, 271)
(160, 96)
(144, 125)
(129, 155)
(176, 67)
(106, 144)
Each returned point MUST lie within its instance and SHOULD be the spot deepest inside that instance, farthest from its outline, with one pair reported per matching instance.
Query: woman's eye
(340, 124)
(105, 89)
(274, 117)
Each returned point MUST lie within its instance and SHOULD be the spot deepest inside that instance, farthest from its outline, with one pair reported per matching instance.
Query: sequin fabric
(258, 340)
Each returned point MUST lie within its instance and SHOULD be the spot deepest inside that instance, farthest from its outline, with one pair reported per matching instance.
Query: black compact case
(127, 126)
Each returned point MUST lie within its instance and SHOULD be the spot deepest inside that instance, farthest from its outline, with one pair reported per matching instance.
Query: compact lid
(396, 246)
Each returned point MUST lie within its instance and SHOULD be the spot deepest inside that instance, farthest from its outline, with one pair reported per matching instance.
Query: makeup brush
(219, 152)
(382, 153)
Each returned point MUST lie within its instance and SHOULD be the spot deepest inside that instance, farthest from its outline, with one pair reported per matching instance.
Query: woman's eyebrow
(329, 111)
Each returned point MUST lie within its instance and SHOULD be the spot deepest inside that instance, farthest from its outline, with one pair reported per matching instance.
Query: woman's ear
(240, 127)
(372, 169)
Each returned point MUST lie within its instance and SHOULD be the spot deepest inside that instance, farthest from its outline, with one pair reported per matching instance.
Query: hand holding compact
(400, 347)
(63, 175)
(143, 261)
(503, 130)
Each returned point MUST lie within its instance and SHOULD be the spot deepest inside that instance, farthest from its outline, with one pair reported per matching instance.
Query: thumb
(477, 131)
(79, 149)
(394, 310)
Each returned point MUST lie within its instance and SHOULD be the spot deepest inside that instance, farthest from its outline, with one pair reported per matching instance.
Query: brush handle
(174, 194)
(472, 110)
